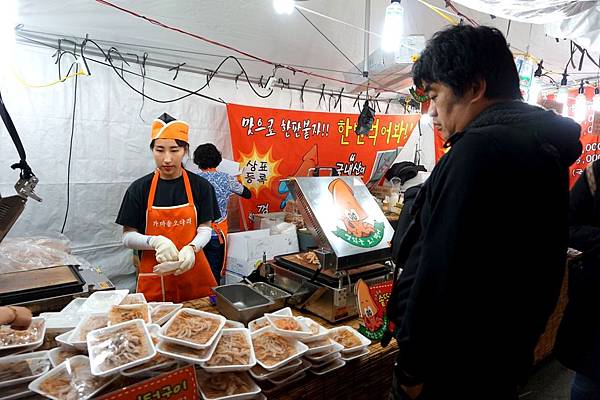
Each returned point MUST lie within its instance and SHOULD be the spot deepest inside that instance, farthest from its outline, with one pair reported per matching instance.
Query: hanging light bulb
(580, 105)
(563, 95)
(596, 99)
(392, 27)
(284, 6)
(534, 91)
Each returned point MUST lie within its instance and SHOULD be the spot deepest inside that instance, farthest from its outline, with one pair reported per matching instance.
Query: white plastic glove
(187, 258)
(165, 249)
(166, 268)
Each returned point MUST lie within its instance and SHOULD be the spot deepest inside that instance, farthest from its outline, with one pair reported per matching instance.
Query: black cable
(143, 71)
(62, 230)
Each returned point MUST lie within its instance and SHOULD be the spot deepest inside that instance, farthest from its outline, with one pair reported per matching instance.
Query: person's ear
(477, 90)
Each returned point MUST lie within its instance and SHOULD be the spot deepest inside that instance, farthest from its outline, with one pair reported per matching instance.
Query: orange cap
(173, 130)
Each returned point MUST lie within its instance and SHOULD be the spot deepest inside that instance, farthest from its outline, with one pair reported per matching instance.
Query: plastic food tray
(231, 368)
(65, 339)
(229, 324)
(254, 390)
(163, 332)
(263, 320)
(100, 302)
(134, 298)
(15, 392)
(283, 378)
(145, 307)
(300, 350)
(322, 349)
(40, 324)
(318, 357)
(364, 341)
(81, 342)
(74, 306)
(98, 352)
(206, 353)
(348, 356)
(23, 357)
(35, 385)
(53, 354)
(326, 360)
(291, 366)
(322, 334)
(172, 310)
(303, 334)
(339, 363)
(57, 322)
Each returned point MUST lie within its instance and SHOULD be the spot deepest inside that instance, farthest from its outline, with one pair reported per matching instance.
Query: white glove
(165, 249)
(166, 268)
(187, 258)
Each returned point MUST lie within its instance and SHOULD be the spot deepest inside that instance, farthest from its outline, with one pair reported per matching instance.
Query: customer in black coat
(484, 257)
(578, 342)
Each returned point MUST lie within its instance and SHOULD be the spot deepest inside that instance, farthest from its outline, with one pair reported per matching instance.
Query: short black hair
(180, 143)
(207, 156)
(459, 55)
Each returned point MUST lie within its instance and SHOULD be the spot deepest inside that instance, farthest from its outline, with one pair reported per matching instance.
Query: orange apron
(222, 229)
(178, 224)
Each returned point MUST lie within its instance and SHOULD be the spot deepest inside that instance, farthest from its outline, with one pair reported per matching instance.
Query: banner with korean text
(272, 144)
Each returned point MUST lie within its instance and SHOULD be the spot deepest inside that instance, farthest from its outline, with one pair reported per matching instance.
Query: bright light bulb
(534, 91)
(284, 6)
(392, 27)
(563, 95)
(596, 102)
(580, 108)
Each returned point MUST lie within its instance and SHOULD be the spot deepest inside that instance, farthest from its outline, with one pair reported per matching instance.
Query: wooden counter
(369, 377)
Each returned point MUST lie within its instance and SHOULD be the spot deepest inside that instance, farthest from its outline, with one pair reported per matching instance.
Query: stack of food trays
(354, 344)
(17, 371)
(277, 340)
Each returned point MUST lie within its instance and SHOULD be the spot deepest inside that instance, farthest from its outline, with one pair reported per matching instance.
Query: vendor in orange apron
(173, 266)
(207, 157)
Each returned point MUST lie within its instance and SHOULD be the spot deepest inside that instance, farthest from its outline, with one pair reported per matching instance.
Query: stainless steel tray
(241, 303)
(278, 296)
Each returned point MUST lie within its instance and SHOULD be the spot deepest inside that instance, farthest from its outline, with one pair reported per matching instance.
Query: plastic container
(261, 374)
(106, 344)
(326, 360)
(205, 379)
(78, 377)
(364, 342)
(339, 363)
(100, 302)
(190, 342)
(65, 339)
(303, 333)
(263, 321)
(89, 323)
(317, 347)
(23, 368)
(233, 324)
(16, 392)
(232, 367)
(59, 354)
(187, 354)
(282, 379)
(124, 313)
(348, 356)
(133, 298)
(31, 337)
(59, 322)
(74, 306)
(298, 347)
(318, 331)
(161, 313)
(154, 304)
(319, 357)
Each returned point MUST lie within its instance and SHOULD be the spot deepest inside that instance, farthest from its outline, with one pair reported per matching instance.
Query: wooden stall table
(369, 377)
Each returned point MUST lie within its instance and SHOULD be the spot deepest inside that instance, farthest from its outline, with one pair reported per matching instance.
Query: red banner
(179, 384)
(272, 144)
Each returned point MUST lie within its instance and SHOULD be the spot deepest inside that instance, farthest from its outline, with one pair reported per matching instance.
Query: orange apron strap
(153, 186)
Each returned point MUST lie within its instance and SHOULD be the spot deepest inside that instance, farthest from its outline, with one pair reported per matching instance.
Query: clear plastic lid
(100, 302)
(123, 313)
(234, 352)
(12, 338)
(192, 328)
(226, 386)
(23, 368)
(273, 350)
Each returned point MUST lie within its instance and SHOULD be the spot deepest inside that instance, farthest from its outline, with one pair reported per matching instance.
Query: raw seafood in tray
(123, 313)
(119, 347)
(216, 386)
(232, 349)
(193, 328)
(10, 338)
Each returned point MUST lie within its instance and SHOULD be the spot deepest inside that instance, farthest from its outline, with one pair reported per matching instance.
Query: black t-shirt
(169, 193)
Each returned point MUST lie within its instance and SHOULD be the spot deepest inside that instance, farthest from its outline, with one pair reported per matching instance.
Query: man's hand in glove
(165, 249)
(187, 257)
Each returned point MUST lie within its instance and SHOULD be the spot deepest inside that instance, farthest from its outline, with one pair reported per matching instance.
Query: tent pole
(366, 37)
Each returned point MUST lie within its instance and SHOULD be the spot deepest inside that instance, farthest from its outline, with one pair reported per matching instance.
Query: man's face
(450, 114)
(168, 156)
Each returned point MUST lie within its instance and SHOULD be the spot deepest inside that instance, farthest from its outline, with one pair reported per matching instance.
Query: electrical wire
(441, 12)
(453, 8)
(231, 48)
(62, 230)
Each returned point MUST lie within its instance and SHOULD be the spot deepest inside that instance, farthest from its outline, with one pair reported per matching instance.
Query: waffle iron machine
(353, 238)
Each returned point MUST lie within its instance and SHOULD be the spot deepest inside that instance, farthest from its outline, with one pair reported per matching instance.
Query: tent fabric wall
(110, 145)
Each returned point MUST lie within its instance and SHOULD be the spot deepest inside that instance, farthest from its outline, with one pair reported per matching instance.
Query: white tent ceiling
(253, 27)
